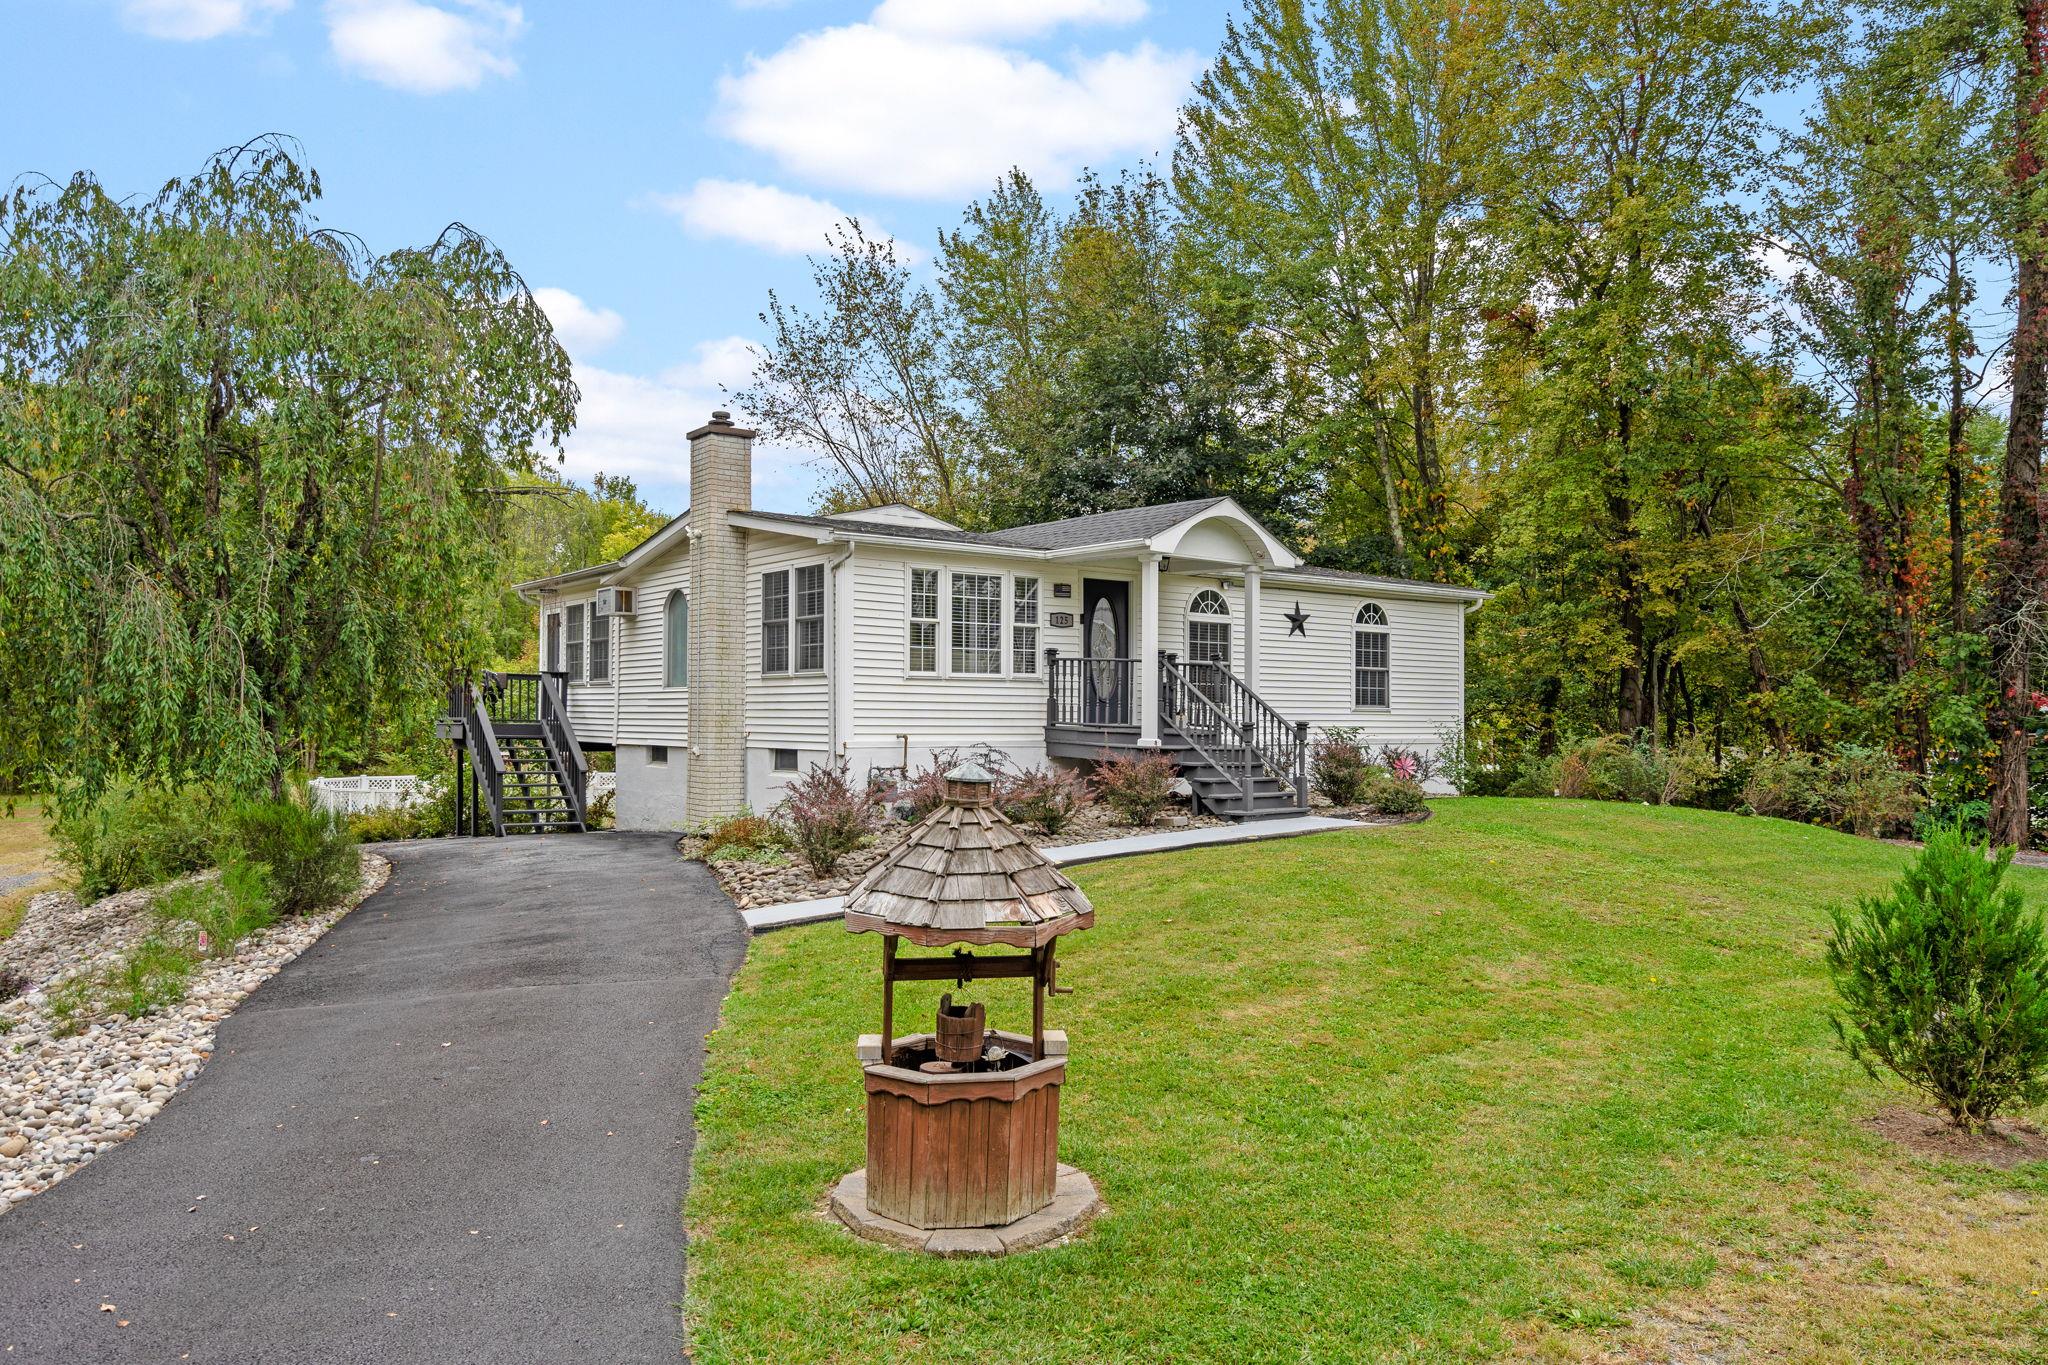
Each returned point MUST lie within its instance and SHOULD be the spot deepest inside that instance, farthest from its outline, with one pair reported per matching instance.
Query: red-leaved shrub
(1137, 789)
(828, 815)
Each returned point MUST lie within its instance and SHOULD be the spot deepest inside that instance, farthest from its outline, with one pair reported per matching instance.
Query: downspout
(841, 642)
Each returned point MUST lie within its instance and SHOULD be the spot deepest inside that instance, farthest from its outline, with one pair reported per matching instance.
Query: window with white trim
(1023, 624)
(810, 618)
(1209, 629)
(977, 623)
(775, 621)
(600, 644)
(554, 645)
(924, 621)
(575, 642)
(1369, 657)
(675, 622)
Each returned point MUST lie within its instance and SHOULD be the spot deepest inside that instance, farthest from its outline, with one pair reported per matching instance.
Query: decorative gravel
(63, 1101)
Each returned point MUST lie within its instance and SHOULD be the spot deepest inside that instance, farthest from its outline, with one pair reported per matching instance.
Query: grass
(1544, 1079)
(25, 851)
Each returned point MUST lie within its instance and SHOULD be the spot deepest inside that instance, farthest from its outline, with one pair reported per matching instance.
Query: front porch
(1241, 757)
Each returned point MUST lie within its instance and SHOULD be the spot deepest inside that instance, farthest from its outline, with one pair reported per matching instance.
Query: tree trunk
(1958, 413)
(2019, 560)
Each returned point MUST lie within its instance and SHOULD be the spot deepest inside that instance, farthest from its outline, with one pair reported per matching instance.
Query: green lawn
(1549, 1079)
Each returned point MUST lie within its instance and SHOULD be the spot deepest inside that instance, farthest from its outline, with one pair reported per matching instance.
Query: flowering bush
(828, 815)
(1137, 789)
(1048, 798)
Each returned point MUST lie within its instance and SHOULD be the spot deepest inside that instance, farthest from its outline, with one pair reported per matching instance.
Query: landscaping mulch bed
(64, 1100)
(2008, 1143)
(778, 883)
(752, 884)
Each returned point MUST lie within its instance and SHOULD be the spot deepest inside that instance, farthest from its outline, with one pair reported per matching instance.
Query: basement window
(783, 760)
(657, 753)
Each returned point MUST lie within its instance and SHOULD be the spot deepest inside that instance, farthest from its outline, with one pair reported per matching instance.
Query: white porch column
(1252, 574)
(1148, 651)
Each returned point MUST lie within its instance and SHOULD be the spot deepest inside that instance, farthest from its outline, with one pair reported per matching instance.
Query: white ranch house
(735, 648)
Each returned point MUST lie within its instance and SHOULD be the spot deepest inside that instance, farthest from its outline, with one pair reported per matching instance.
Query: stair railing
(565, 752)
(482, 741)
(1280, 744)
(1203, 725)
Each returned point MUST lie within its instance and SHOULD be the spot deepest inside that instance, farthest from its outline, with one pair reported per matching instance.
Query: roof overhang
(595, 575)
(1389, 587)
(1269, 550)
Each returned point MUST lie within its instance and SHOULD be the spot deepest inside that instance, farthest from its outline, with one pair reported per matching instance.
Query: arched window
(1369, 657)
(675, 620)
(1209, 629)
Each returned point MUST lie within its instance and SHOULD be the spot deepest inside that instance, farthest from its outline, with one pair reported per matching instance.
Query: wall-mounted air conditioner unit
(615, 601)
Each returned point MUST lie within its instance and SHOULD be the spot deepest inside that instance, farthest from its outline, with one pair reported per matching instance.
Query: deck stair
(534, 798)
(1241, 757)
(531, 775)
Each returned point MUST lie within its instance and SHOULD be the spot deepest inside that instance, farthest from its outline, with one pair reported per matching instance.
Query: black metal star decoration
(1297, 621)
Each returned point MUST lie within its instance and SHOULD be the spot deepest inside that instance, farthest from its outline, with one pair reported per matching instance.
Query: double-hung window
(924, 621)
(600, 644)
(576, 642)
(1023, 624)
(1369, 657)
(977, 623)
(775, 621)
(810, 618)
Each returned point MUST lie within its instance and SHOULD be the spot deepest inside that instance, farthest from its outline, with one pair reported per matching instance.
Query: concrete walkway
(458, 1129)
(1068, 855)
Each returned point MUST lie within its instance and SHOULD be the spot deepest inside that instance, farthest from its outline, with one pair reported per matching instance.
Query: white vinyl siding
(650, 711)
(1312, 677)
(786, 709)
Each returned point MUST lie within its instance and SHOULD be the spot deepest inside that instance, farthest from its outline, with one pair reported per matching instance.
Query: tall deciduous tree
(1335, 159)
(241, 460)
(861, 380)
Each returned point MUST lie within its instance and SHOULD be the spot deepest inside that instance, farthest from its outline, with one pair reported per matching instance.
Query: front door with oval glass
(1108, 675)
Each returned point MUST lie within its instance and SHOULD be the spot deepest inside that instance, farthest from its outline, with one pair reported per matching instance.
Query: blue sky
(654, 167)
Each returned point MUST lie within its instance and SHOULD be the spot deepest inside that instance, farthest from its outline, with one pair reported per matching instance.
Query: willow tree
(242, 466)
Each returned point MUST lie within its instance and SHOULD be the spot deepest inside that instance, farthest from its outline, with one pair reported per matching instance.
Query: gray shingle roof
(1099, 528)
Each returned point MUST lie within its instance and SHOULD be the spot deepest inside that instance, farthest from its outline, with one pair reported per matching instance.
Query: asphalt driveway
(457, 1129)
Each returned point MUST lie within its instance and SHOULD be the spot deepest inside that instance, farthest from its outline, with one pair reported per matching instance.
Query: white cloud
(922, 114)
(1001, 18)
(581, 329)
(761, 215)
(191, 20)
(425, 48)
(632, 424)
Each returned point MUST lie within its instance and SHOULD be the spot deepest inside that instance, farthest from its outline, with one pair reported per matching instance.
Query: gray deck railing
(1204, 699)
(1090, 691)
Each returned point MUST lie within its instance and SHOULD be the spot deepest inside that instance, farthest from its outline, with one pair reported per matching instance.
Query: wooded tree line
(1538, 295)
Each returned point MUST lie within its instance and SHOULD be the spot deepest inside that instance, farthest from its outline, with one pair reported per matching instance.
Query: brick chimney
(721, 482)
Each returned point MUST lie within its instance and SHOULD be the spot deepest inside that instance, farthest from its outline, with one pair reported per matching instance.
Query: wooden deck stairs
(530, 775)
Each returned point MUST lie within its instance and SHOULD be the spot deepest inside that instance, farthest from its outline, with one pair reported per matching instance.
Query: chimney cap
(721, 425)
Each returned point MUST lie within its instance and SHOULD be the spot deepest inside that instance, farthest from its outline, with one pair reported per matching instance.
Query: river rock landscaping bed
(64, 1100)
(755, 883)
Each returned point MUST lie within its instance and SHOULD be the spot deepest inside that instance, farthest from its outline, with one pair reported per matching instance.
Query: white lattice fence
(348, 795)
